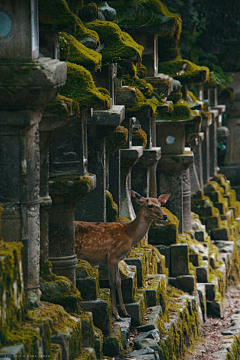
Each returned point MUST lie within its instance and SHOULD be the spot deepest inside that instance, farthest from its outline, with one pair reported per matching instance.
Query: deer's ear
(136, 196)
(163, 198)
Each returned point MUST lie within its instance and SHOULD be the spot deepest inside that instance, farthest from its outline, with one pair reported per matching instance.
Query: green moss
(70, 184)
(98, 342)
(112, 208)
(89, 12)
(141, 71)
(168, 230)
(61, 322)
(56, 13)
(139, 138)
(81, 87)
(192, 74)
(116, 139)
(181, 111)
(149, 13)
(84, 269)
(78, 53)
(118, 44)
(140, 84)
(62, 106)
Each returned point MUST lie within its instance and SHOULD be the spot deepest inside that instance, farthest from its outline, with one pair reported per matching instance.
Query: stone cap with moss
(184, 71)
(81, 88)
(150, 16)
(118, 45)
(73, 51)
(56, 15)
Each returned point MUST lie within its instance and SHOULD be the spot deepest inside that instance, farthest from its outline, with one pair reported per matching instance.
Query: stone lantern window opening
(5, 25)
(170, 140)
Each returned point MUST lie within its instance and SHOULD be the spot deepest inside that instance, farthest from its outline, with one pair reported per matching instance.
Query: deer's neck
(138, 228)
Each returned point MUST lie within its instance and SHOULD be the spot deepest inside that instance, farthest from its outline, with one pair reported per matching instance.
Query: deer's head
(152, 207)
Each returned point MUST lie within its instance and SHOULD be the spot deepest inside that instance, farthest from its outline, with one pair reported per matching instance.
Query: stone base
(112, 345)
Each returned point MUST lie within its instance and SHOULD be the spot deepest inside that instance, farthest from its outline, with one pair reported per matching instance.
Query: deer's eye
(150, 206)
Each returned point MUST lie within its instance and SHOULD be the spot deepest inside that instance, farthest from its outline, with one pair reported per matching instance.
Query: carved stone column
(206, 122)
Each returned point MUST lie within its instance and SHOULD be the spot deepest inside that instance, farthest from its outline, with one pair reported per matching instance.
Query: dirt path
(210, 342)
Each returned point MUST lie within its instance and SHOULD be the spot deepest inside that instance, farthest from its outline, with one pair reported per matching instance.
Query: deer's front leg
(112, 271)
(119, 291)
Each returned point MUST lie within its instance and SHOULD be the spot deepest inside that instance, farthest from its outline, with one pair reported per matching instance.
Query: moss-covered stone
(62, 106)
(180, 111)
(56, 13)
(81, 87)
(166, 233)
(139, 138)
(87, 280)
(116, 139)
(118, 44)
(191, 74)
(70, 184)
(78, 53)
(112, 208)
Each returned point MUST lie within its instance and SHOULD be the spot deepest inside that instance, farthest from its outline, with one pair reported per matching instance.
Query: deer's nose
(165, 217)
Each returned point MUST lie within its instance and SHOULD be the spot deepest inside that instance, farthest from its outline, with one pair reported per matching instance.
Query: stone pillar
(206, 122)
(196, 171)
(27, 84)
(69, 183)
(174, 160)
(102, 123)
(187, 220)
(213, 142)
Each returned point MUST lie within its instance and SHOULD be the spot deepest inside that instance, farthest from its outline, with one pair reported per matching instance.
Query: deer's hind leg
(119, 291)
(112, 271)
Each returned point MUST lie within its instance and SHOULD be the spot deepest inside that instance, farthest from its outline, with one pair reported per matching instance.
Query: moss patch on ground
(81, 87)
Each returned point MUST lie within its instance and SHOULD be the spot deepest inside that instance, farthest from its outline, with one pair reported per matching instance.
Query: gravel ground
(210, 342)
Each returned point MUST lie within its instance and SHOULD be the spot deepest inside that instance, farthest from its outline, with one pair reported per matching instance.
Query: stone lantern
(27, 84)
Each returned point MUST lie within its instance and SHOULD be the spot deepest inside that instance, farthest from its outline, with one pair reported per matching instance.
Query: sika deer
(109, 243)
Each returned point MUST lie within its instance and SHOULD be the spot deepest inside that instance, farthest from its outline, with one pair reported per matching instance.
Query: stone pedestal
(129, 157)
(56, 115)
(142, 182)
(173, 176)
(206, 122)
(26, 86)
(170, 181)
(65, 191)
(102, 123)
(213, 142)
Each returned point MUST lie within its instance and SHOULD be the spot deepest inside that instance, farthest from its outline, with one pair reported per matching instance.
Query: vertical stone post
(147, 164)
(101, 124)
(174, 160)
(69, 183)
(213, 142)
(196, 172)
(206, 122)
(129, 157)
(27, 84)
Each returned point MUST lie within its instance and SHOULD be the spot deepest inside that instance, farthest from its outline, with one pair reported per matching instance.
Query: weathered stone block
(112, 345)
(141, 270)
(125, 328)
(186, 283)
(98, 342)
(160, 234)
(199, 235)
(220, 234)
(88, 288)
(137, 308)
(202, 298)
(194, 259)
(211, 222)
(202, 274)
(156, 289)
(87, 329)
(153, 320)
(101, 310)
(179, 260)
(126, 95)
(165, 250)
(214, 309)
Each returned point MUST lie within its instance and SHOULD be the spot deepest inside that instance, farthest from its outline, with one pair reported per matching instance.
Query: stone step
(88, 353)
(125, 329)
(202, 272)
(112, 344)
(128, 279)
(13, 352)
(201, 289)
(56, 352)
(153, 319)
(156, 290)
(137, 308)
(87, 280)
(101, 310)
